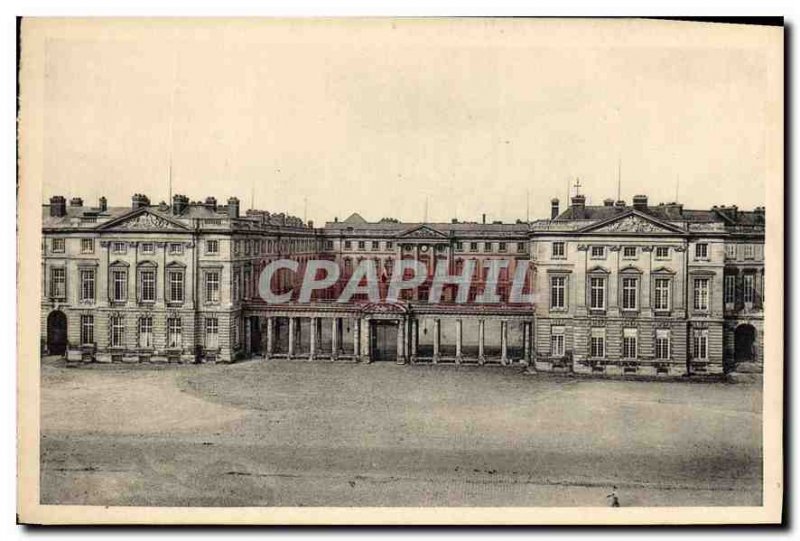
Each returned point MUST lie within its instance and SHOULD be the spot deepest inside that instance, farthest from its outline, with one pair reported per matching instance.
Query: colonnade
(363, 342)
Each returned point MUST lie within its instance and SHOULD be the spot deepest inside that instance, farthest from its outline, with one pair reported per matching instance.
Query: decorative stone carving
(146, 220)
(632, 224)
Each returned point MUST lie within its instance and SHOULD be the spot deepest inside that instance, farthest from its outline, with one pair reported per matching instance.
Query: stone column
(414, 339)
(458, 341)
(401, 344)
(334, 338)
(481, 356)
(312, 338)
(291, 337)
(365, 341)
(270, 338)
(526, 342)
(356, 338)
(504, 342)
(437, 327)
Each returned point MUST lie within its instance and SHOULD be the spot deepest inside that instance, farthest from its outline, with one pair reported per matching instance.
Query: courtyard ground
(295, 433)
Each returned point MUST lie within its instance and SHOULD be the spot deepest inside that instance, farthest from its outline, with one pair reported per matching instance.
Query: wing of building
(616, 289)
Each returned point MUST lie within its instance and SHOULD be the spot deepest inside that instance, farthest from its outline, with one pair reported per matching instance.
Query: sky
(324, 118)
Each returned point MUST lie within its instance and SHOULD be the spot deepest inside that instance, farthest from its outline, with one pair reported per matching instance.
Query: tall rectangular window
(630, 292)
(361, 245)
(661, 294)
(87, 285)
(662, 344)
(597, 293)
(212, 247)
(597, 343)
(558, 292)
(749, 251)
(701, 251)
(119, 285)
(212, 333)
(557, 342)
(58, 283)
(117, 331)
(520, 247)
(212, 286)
(175, 286)
(248, 284)
(629, 343)
(145, 332)
(730, 289)
(730, 251)
(473, 246)
(87, 329)
(700, 343)
(558, 250)
(87, 246)
(147, 285)
(748, 288)
(174, 330)
(701, 293)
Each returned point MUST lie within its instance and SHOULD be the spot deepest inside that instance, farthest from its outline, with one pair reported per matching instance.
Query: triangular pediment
(422, 232)
(632, 222)
(143, 220)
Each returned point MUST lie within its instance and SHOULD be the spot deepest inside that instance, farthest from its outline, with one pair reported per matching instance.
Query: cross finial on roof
(577, 186)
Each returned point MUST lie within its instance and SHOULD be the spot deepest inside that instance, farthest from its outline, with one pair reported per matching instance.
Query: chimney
(336, 219)
(454, 220)
(484, 217)
(620, 204)
(76, 202)
(311, 224)
(139, 200)
(640, 202)
(103, 204)
(579, 201)
(179, 204)
(554, 208)
(674, 210)
(58, 206)
(759, 212)
(233, 207)
(211, 204)
(608, 202)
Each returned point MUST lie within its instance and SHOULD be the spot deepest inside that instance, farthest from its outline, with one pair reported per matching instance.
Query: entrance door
(384, 341)
(255, 335)
(744, 343)
(57, 333)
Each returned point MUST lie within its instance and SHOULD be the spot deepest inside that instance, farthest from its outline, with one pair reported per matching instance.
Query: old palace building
(616, 288)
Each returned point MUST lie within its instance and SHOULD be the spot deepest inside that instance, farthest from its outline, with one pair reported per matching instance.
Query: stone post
(458, 340)
(290, 351)
(504, 342)
(270, 339)
(437, 327)
(481, 356)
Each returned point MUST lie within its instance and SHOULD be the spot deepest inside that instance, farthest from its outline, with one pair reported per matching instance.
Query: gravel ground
(294, 433)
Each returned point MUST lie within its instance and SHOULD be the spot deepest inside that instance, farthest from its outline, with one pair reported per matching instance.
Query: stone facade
(618, 289)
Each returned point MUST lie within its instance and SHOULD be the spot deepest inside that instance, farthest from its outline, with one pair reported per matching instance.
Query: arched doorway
(744, 344)
(57, 333)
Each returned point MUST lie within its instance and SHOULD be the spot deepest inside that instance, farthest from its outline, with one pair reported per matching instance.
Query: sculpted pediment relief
(144, 221)
(632, 223)
(423, 232)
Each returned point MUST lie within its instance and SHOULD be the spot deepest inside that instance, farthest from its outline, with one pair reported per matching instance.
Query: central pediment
(423, 232)
(633, 222)
(143, 220)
